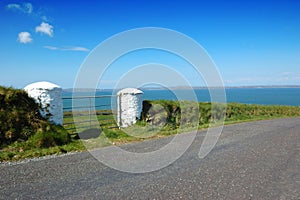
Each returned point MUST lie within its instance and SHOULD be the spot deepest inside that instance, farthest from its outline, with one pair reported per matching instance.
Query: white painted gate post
(130, 103)
(49, 98)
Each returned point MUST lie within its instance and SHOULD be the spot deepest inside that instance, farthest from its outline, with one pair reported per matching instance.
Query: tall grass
(22, 127)
(159, 118)
(208, 114)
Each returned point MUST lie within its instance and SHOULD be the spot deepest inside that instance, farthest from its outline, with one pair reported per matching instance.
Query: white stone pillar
(130, 103)
(49, 98)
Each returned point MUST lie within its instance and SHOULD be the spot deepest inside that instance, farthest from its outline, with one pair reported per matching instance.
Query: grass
(160, 118)
(20, 150)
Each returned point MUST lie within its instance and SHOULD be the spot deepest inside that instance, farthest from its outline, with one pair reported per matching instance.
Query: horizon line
(194, 87)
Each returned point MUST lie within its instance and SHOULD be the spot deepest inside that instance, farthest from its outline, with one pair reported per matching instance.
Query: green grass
(21, 150)
(166, 119)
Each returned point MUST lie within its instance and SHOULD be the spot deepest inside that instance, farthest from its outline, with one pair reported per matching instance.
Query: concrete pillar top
(49, 98)
(130, 91)
(43, 85)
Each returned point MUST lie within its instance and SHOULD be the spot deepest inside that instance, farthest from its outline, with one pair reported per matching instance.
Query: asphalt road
(256, 160)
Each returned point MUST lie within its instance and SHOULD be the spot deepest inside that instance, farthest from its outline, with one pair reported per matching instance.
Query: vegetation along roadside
(25, 134)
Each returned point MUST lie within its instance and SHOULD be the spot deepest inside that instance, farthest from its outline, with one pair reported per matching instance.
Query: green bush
(171, 113)
(20, 118)
(208, 113)
(161, 111)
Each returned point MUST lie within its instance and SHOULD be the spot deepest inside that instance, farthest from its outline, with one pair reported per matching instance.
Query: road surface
(256, 160)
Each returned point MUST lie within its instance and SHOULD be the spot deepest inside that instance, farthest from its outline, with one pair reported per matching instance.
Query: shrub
(170, 113)
(231, 112)
(20, 118)
(161, 111)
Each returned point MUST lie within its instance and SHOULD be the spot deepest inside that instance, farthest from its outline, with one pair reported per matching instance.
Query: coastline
(183, 88)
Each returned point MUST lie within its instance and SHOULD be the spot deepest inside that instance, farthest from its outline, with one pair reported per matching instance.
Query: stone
(130, 102)
(49, 98)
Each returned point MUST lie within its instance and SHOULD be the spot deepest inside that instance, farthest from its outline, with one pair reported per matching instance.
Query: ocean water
(263, 96)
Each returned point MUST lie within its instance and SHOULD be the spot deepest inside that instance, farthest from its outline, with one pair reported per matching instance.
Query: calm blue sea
(264, 96)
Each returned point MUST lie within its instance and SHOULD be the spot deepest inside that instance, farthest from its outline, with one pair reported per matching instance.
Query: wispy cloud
(45, 18)
(24, 37)
(27, 8)
(13, 6)
(282, 78)
(45, 28)
(24, 8)
(76, 48)
(289, 76)
(51, 47)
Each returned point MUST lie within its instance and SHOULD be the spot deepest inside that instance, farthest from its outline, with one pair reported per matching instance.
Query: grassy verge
(164, 119)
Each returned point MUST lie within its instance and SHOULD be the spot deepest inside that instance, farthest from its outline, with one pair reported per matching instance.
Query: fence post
(129, 106)
(90, 109)
(49, 98)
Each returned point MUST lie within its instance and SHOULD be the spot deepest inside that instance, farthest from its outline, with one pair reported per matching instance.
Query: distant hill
(184, 88)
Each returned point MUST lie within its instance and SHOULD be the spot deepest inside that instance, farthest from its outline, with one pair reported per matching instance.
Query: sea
(262, 96)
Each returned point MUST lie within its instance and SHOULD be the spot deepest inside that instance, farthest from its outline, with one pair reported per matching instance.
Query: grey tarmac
(254, 160)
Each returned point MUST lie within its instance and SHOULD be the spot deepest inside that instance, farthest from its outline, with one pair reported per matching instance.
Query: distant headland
(186, 88)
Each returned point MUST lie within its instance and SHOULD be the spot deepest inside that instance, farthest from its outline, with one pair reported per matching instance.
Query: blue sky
(252, 42)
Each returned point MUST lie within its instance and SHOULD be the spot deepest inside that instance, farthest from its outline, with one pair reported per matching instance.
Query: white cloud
(24, 37)
(45, 28)
(45, 18)
(51, 47)
(13, 6)
(28, 7)
(75, 49)
(67, 48)
(24, 8)
(289, 76)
